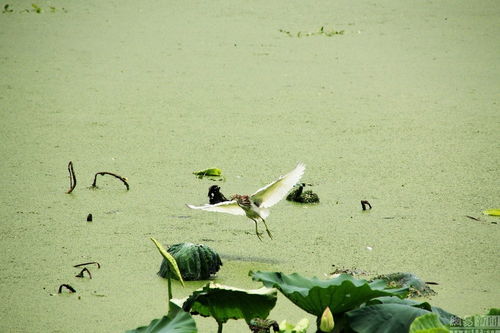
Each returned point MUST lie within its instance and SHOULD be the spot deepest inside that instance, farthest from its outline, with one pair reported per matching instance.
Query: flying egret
(256, 206)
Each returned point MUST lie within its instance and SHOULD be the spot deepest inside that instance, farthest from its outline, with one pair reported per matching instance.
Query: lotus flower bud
(326, 324)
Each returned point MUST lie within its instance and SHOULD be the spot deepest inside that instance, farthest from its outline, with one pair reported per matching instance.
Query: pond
(400, 109)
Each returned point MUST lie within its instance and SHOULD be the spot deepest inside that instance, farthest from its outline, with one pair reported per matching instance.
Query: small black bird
(215, 196)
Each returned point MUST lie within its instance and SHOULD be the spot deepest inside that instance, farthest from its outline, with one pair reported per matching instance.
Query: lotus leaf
(444, 316)
(428, 323)
(383, 318)
(211, 173)
(340, 294)
(177, 321)
(224, 303)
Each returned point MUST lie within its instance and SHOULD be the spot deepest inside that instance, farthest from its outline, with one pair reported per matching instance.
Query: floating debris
(321, 32)
(401, 280)
(89, 218)
(350, 271)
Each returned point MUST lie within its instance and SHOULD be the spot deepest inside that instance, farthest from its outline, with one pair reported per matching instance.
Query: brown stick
(67, 286)
(123, 179)
(80, 275)
(365, 203)
(72, 177)
(89, 263)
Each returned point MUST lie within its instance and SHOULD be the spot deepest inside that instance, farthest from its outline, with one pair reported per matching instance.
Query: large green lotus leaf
(177, 321)
(224, 302)
(340, 294)
(444, 316)
(428, 323)
(383, 318)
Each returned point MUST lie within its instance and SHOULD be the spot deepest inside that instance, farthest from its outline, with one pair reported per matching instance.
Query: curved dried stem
(72, 178)
(102, 173)
(88, 263)
(67, 286)
(81, 274)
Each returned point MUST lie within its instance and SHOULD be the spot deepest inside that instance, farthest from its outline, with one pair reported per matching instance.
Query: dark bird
(215, 196)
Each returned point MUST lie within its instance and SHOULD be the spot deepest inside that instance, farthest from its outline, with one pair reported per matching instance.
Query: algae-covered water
(400, 109)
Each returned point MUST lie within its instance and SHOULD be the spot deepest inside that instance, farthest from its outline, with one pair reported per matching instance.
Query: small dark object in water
(215, 196)
(81, 275)
(89, 218)
(417, 287)
(258, 325)
(88, 263)
(195, 261)
(365, 203)
(67, 286)
(123, 179)
(299, 195)
(72, 178)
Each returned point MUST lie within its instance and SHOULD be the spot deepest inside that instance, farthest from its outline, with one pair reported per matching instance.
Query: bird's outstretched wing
(229, 207)
(271, 194)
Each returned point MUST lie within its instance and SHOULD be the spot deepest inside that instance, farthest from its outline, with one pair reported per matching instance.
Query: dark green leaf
(177, 321)
(224, 303)
(383, 318)
(340, 294)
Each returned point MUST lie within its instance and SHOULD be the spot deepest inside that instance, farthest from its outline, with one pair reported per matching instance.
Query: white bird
(256, 206)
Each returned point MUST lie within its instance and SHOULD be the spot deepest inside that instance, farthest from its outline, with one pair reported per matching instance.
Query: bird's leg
(268, 232)
(257, 230)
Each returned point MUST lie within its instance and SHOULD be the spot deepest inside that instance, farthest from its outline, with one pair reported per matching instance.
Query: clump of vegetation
(321, 32)
(299, 195)
(195, 261)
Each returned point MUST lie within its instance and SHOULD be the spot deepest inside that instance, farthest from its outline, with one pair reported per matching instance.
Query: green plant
(340, 294)
(176, 321)
(211, 173)
(224, 303)
(301, 326)
(173, 268)
(195, 261)
(428, 323)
